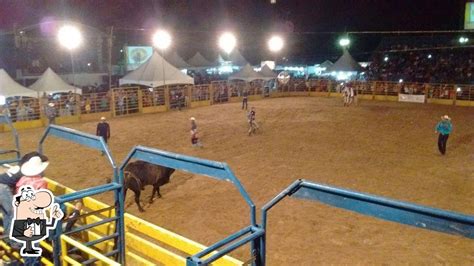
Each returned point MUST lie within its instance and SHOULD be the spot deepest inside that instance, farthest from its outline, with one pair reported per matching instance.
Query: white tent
(267, 72)
(177, 60)
(219, 60)
(156, 72)
(50, 82)
(237, 58)
(10, 88)
(345, 63)
(247, 74)
(199, 61)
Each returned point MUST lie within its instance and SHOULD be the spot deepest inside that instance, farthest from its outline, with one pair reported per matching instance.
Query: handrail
(375, 206)
(4, 119)
(204, 167)
(78, 137)
(209, 168)
(90, 251)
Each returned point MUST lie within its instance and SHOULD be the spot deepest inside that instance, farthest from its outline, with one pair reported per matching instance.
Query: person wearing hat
(194, 137)
(51, 113)
(103, 129)
(32, 171)
(8, 181)
(444, 128)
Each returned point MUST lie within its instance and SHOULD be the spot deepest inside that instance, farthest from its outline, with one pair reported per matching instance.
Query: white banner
(411, 98)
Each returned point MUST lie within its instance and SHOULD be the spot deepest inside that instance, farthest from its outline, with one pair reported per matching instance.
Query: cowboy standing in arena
(253, 126)
(244, 99)
(348, 93)
(51, 113)
(103, 130)
(444, 128)
(194, 137)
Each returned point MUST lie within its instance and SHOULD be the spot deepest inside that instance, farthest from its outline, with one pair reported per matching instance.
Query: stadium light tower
(70, 37)
(275, 44)
(344, 42)
(227, 42)
(162, 40)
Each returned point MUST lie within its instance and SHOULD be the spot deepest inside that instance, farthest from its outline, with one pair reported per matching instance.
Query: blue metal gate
(115, 186)
(5, 120)
(218, 170)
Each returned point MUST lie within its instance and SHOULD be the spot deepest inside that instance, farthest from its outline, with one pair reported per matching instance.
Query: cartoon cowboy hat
(34, 166)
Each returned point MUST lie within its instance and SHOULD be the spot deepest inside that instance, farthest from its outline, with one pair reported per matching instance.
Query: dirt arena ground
(383, 148)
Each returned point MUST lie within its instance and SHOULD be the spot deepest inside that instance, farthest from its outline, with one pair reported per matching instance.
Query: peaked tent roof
(247, 74)
(345, 63)
(326, 64)
(177, 61)
(156, 72)
(50, 82)
(10, 88)
(219, 60)
(199, 61)
(237, 58)
(267, 72)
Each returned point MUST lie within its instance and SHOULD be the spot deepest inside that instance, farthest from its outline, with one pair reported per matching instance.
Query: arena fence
(30, 112)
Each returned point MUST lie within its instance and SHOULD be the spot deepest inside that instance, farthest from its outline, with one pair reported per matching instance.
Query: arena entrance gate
(220, 171)
(5, 120)
(64, 239)
(371, 205)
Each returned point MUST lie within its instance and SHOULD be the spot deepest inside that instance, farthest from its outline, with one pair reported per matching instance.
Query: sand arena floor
(382, 148)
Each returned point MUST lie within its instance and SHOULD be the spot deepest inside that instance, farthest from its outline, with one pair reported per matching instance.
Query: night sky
(196, 23)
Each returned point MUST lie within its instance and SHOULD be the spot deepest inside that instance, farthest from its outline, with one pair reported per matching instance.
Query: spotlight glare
(227, 42)
(344, 42)
(161, 39)
(275, 44)
(69, 37)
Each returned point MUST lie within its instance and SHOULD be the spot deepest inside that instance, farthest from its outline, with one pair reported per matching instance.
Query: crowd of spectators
(424, 60)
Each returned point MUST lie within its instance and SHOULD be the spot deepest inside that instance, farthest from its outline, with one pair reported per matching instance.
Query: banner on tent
(411, 98)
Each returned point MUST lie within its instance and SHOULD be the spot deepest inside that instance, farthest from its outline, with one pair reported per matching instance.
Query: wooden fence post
(140, 100)
(112, 102)
(167, 97)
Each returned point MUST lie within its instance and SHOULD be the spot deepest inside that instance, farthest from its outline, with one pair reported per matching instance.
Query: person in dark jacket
(444, 128)
(103, 129)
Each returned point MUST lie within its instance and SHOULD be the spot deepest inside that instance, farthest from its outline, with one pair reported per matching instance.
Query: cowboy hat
(51, 104)
(34, 166)
(102, 118)
(192, 118)
(445, 117)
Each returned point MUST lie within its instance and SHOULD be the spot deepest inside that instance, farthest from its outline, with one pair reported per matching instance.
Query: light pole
(70, 38)
(162, 40)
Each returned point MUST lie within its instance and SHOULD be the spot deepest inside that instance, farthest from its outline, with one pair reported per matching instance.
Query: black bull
(139, 174)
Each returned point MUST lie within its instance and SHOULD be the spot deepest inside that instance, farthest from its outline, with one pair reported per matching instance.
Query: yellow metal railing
(140, 237)
(66, 259)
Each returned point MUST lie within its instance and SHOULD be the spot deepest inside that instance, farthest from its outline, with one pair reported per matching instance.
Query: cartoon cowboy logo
(30, 224)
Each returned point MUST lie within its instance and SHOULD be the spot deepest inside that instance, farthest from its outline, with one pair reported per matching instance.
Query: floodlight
(275, 44)
(400, 81)
(69, 37)
(227, 42)
(2, 100)
(161, 39)
(385, 59)
(344, 42)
